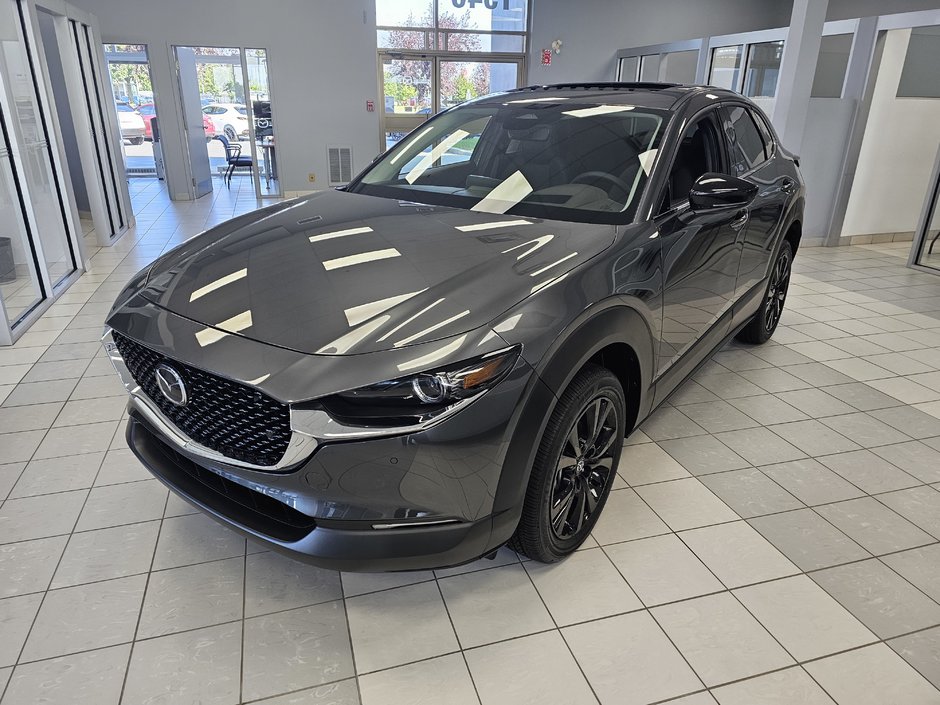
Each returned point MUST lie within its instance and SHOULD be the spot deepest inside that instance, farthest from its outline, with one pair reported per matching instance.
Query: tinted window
(698, 154)
(241, 109)
(747, 147)
(539, 157)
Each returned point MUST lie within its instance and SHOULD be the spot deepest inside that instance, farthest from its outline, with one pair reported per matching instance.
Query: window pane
(405, 39)
(464, 80)
(920, 77)
(407, 86)
(763, 69)
(649, 67)
(678, 66)
(748, 147)
(485, 15)
(628, 68)
(460, 41)
(726, 66)
(404, 13)
(831, 65)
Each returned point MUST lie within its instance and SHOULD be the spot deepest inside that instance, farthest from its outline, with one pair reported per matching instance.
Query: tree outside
(409, 81)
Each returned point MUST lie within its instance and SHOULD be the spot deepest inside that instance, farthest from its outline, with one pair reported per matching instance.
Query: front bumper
(427, 497)
(335, 544)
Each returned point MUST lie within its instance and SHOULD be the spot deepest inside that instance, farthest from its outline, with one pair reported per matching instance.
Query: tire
(765, 321)
(137, 140)
(230, 133)
(559, 467)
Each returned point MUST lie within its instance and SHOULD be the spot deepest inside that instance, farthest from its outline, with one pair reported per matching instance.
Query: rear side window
(747, 146)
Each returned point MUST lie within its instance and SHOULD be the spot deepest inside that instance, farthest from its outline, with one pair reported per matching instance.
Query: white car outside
(131, 123)
(229, 119)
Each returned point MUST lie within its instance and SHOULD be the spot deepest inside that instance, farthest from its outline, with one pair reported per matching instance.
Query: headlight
(409, 400)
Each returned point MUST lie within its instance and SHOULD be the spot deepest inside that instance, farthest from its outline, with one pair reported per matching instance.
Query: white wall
(897, 154)
(322, 63)
(593, 30)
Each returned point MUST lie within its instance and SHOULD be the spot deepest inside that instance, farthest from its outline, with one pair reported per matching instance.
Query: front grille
(237, 421)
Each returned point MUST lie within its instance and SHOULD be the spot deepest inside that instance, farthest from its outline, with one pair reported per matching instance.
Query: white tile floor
(773, 537)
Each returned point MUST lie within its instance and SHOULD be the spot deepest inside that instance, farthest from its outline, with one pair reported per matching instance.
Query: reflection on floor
(772, 535)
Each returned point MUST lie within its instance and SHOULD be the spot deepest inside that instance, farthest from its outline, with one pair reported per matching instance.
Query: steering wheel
(591, 176)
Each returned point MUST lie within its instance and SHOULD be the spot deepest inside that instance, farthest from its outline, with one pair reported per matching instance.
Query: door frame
(931, 206)
(407, 123)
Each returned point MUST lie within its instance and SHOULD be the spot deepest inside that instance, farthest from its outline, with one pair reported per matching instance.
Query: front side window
(699, 153)
(544, 157)
(747, 146)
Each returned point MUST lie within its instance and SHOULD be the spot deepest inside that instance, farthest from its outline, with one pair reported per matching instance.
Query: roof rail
(609, 85)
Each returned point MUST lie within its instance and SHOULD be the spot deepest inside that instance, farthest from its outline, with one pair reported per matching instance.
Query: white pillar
(798, 69)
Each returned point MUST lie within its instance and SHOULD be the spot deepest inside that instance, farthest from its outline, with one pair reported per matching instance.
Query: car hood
(337, 273)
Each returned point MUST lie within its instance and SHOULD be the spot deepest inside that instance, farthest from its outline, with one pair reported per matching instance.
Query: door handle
(741, 220)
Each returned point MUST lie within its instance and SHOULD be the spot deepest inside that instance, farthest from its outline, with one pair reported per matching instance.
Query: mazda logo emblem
(171, 385)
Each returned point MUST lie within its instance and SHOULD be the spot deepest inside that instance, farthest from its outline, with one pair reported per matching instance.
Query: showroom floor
(773, 537)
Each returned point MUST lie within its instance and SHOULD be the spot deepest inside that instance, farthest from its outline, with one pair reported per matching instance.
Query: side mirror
(716, 192)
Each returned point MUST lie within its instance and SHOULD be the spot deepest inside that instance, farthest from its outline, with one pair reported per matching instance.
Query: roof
(642, 94)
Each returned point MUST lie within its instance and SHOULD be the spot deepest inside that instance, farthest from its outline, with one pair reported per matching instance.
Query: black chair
(233, 157)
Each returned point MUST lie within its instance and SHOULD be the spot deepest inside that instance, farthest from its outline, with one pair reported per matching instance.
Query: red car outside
(148, 112)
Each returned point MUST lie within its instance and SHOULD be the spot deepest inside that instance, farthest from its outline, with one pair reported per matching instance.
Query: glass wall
(437, 53)
(38, 243)
(30, 129)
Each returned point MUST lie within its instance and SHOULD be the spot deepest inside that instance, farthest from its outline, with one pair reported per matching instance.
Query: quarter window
(747, 146)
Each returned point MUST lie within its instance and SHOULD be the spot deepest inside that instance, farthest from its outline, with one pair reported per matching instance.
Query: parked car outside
(229, 119)
(131, 123)
(148, 112)
(447, 354)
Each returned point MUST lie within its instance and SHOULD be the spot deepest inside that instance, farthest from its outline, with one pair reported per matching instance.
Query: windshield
(124, 108)
(544, 157)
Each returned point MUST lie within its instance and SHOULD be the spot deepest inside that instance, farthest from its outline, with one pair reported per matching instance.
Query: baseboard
(880, 238)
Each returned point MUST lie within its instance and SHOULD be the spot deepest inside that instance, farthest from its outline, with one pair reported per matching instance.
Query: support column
(798, 69)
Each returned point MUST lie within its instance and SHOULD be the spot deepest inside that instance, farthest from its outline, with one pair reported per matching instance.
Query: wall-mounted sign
(488, 4)
(370, 106)
(546, 57)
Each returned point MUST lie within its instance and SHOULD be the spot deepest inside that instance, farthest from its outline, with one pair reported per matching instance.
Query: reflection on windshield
(552, 157)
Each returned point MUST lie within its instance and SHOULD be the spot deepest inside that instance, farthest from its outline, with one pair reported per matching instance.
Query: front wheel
(230, 133)
(574, 467)
(765, 321)
(136, 141)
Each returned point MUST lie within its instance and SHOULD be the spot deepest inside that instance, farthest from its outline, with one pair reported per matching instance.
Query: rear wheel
(136, 140)
(574, 467)
(230, 133)
(765, 321)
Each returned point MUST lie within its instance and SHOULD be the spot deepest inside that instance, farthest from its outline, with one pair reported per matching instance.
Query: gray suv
(447, 354)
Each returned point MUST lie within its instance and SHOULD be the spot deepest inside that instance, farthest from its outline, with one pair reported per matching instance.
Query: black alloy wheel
(777, 291)
(584, 467)
(575, 464)
(767, 318)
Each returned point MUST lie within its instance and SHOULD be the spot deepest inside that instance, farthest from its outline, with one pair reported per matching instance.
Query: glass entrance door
(227, 110)
(416, 86)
